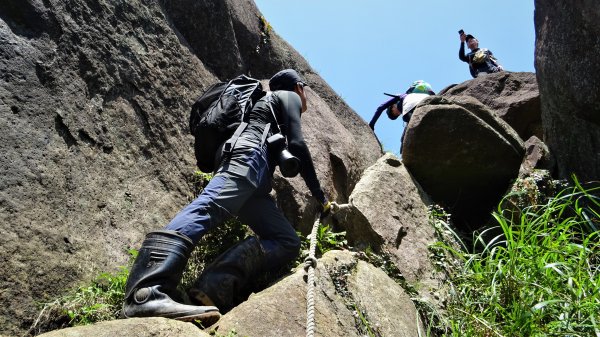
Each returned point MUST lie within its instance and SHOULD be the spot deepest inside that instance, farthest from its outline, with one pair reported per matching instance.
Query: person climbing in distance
(403, 104)
(240, 186)
(480, 60)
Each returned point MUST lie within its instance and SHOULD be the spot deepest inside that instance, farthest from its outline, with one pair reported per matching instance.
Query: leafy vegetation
(231, 333)
(100, 300)
(213, 244)
(365, 327)
(538, 274)
(265, 26)
(199, 180)
(327, 240)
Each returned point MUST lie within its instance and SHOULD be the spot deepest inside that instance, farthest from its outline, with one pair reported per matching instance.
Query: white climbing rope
(310, 263)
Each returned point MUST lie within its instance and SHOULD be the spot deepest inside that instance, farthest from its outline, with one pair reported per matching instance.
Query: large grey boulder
(462, 154)
(344, 286)
(512, 96)
(567, 65)
(133, 327)
(389, 214)
(95, 148)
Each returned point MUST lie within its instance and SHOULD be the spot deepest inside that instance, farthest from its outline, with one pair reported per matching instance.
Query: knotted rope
(310, 263)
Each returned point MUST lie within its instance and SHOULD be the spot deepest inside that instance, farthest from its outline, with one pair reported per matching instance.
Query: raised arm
(461, 53)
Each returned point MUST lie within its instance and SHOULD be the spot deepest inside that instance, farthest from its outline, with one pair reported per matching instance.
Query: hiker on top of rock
(403, 104)
(241, 187)
(480, 60)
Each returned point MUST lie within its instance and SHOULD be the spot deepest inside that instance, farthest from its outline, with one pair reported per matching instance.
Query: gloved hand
(329, 207)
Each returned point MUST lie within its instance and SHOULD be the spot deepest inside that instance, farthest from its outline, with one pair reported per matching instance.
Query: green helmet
(421, 87)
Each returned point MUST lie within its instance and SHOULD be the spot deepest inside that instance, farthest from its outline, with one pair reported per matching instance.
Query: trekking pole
(310, 263)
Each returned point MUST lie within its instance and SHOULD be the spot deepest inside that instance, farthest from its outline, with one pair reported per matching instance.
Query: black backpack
(217, 117)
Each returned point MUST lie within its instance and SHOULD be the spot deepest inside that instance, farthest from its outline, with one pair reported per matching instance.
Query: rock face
(95, 152)
(513, 96)
(351, 297)
(390, 215)
(537, 156)
(134, 327)
(94, 148)
(462, 155)
(567, 65)
(343, 284)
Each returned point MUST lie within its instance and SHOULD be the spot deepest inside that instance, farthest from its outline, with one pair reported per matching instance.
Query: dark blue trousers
(241, 187)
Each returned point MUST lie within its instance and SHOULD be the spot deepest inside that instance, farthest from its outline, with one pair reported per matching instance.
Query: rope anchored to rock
(310, 263)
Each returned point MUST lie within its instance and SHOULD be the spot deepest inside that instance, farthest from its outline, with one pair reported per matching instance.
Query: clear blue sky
(364, 48)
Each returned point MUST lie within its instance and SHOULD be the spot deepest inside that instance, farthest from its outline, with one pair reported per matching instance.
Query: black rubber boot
(224, 283)
(152, 283)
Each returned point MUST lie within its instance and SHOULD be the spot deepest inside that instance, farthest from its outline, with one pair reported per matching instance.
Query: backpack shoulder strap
(268, 126)
(269, 98)
(230, 143)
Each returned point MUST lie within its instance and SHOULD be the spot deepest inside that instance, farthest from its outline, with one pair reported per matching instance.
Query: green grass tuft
(540, 276)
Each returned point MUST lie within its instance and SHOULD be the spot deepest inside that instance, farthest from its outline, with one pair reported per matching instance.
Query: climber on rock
(480, 60)
(241, 187)
(403, 104)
